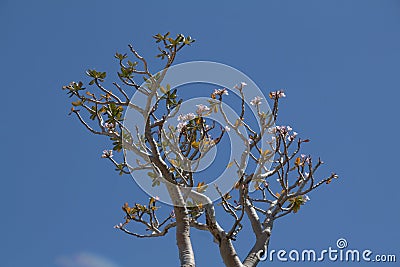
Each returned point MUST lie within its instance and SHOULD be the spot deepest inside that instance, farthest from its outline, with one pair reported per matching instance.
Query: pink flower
(201, 109)
(256, 101)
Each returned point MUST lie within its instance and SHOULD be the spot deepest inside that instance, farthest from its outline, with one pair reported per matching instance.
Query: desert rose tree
(280, 176)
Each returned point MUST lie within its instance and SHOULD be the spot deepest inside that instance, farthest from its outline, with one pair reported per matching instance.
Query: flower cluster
(277, 94)
(180, 126)
(256, 101)
(285, 131)
(107, 154)
(110, 127)
(184, 119)
(219, 92)
(202, 109)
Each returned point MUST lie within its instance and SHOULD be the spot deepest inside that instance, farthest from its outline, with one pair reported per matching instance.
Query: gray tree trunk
(183, 242)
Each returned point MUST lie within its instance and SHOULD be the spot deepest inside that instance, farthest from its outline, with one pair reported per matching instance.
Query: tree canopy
(164, 145)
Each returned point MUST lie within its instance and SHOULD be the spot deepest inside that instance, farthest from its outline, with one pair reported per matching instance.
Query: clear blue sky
(337, 60)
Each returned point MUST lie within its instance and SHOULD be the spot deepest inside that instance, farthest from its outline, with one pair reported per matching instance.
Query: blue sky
(337, 60)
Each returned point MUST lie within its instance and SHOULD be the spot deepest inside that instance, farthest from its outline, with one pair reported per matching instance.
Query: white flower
(118, 226)
(220, 92)
(180, 126)
(305, 198)
(293, 136)
(201, 109)
(282, 129)
(277, 94)
(186, 117)
(190, 116)
(107, 154)
(227, 128)
(110, 127)
(242, 84)
(256, 101)
(271, 130)
(285, 130)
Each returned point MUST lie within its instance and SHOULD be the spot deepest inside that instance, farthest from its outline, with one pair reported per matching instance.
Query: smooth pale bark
(261, 244)
(183, 242)
(226, 248)
(228, 253)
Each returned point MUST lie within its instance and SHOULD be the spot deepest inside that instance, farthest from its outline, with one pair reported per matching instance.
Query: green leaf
(152, 175)
(120, 56)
